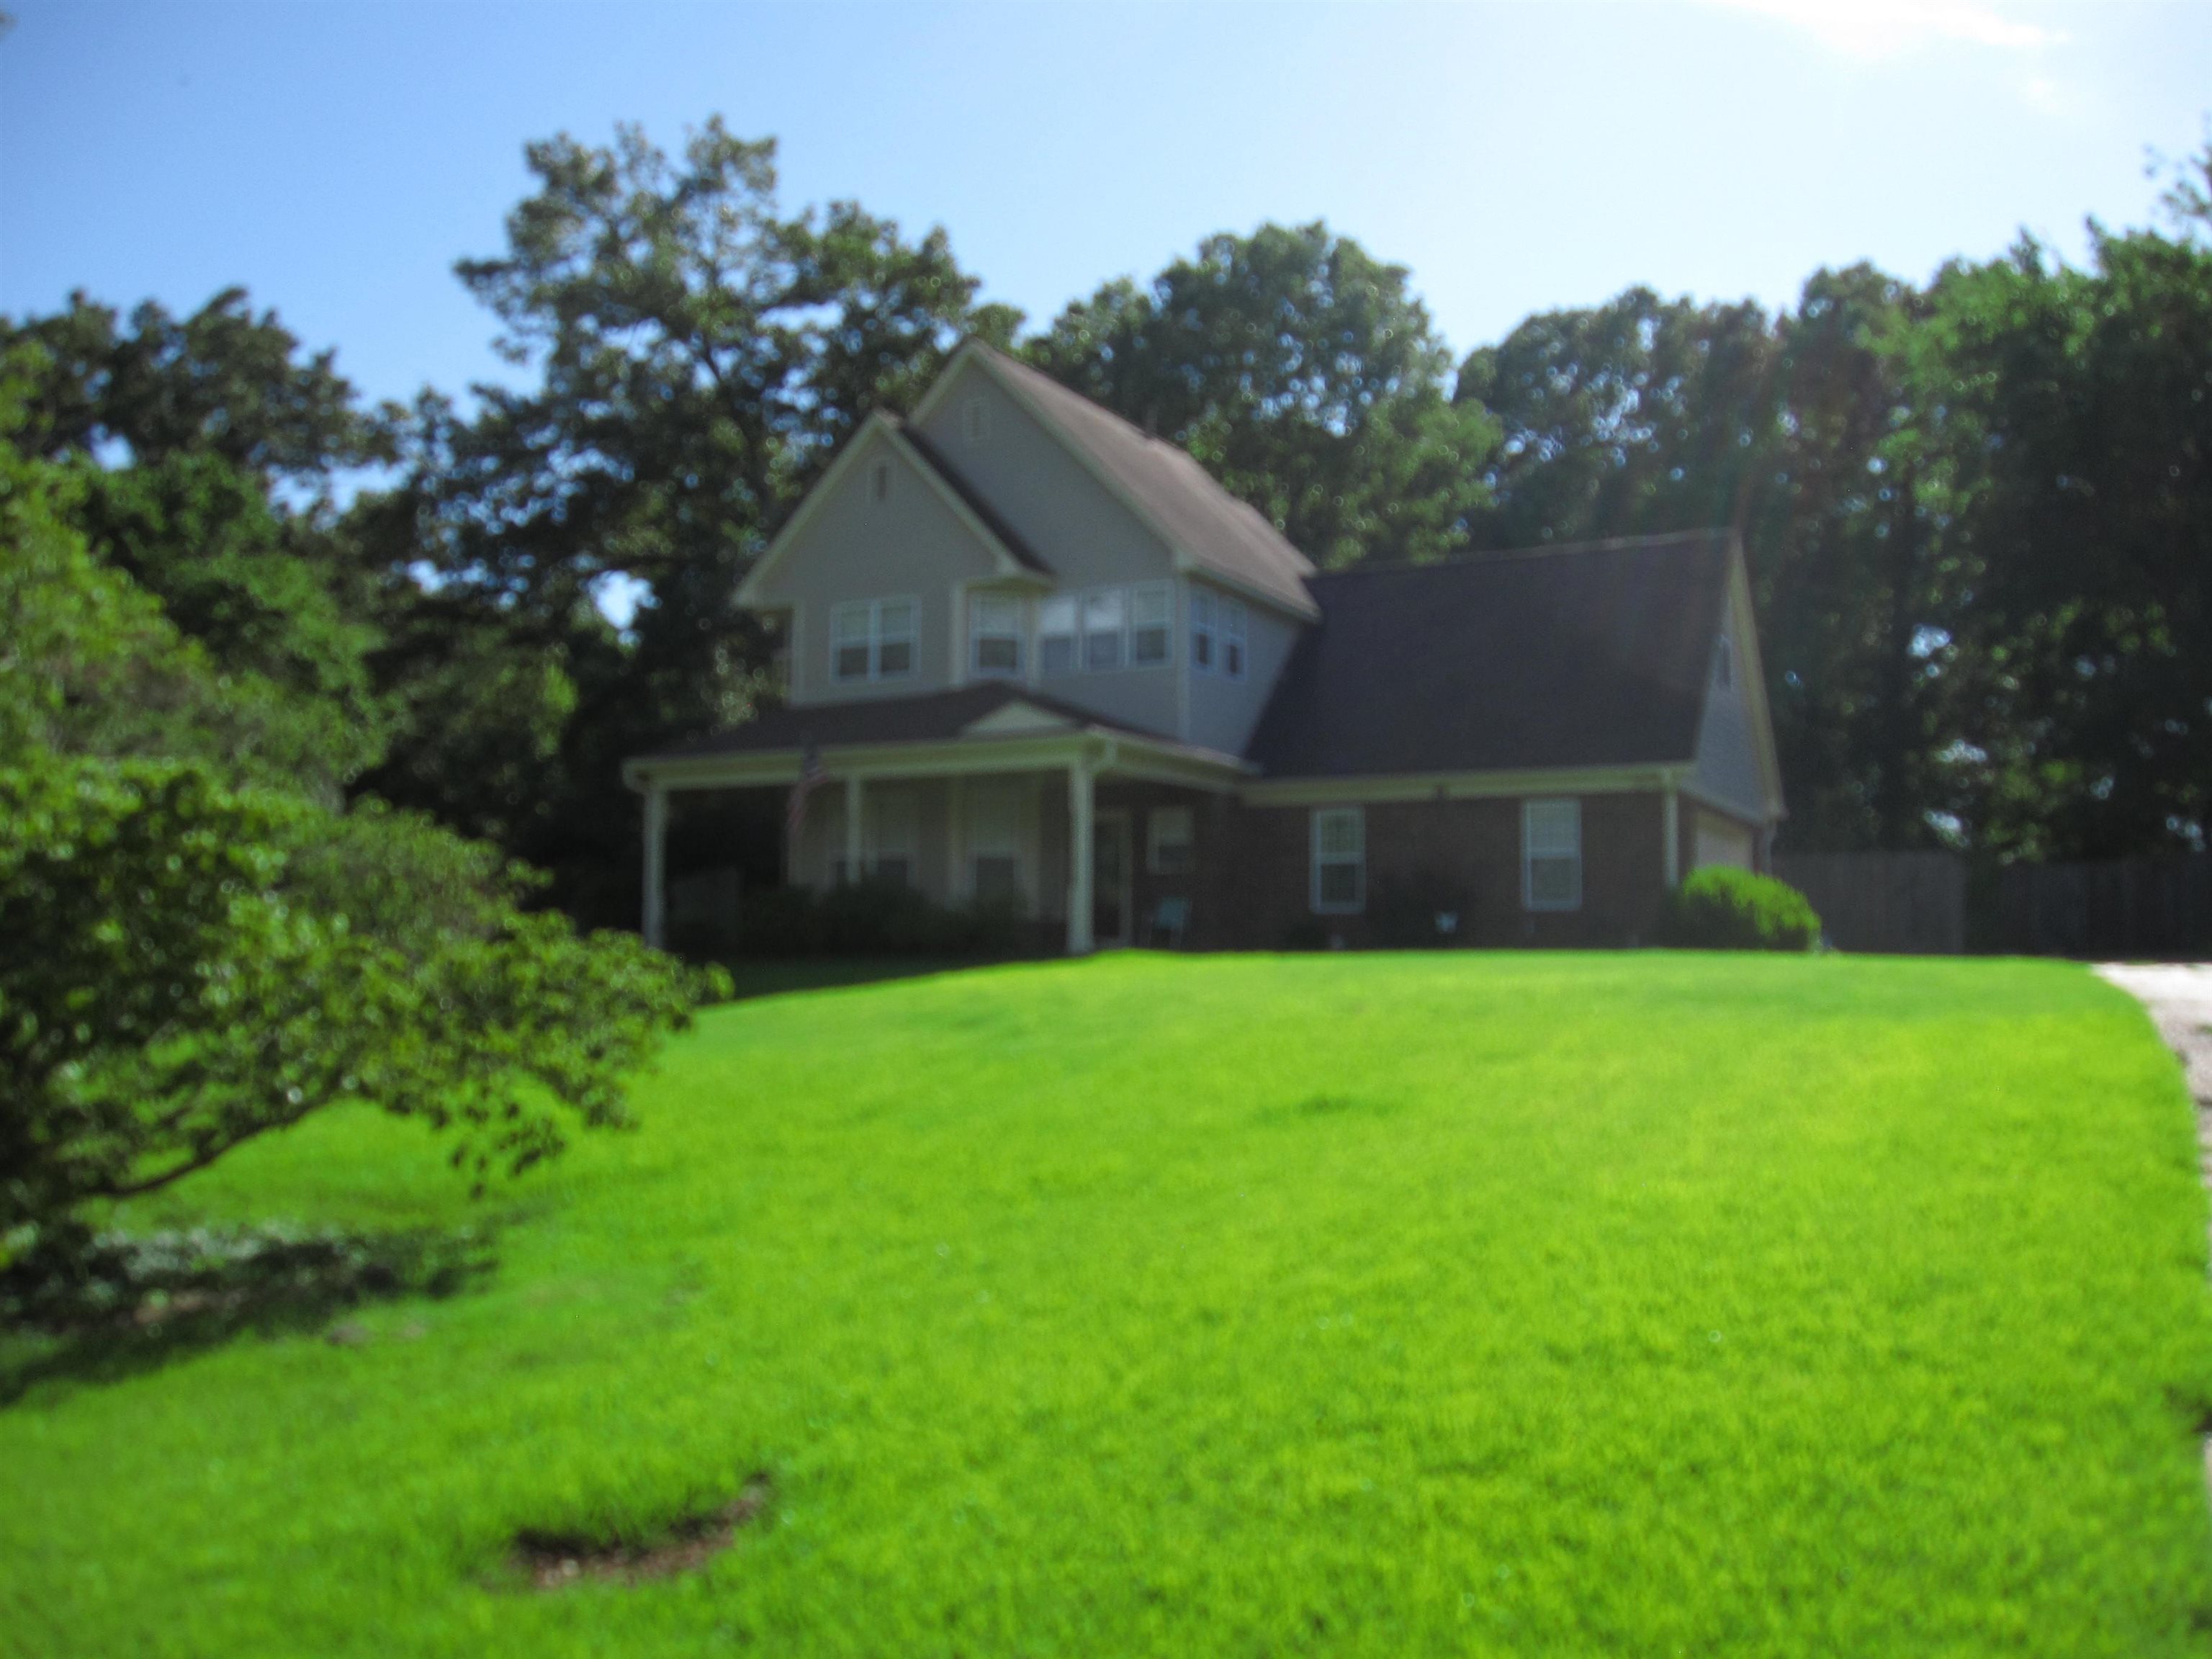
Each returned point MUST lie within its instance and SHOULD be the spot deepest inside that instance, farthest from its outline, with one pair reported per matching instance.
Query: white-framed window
(880, 481)
(1169, 841)
(994, 845)
(1724, 664)
(1151, 617)
(974, 421)
(1551, 854)
(1339, 860)
(1217, 634)
(1105, 614)
(872, 639)
(994, 635)
(1056, 635)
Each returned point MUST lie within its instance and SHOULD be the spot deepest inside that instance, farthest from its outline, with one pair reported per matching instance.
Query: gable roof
(933, 717)
(1011, 556)
(1593, 655)
(1208, 529)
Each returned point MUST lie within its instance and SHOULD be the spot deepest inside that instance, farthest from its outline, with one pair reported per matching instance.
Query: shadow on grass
(767, 978)
(121, 1305)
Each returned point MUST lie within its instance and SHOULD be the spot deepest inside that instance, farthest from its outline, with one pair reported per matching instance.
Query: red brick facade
(1250, 887)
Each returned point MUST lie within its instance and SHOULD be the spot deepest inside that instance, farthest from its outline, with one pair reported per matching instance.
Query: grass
(1513, 1305)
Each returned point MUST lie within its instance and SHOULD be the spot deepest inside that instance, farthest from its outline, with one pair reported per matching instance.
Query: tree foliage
(1304, 375)
(699, 355)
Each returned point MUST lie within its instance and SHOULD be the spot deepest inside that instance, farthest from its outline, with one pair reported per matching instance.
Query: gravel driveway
(2179, 997)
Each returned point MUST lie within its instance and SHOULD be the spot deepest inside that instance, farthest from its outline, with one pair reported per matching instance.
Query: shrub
(871, 918)
(1724, 909)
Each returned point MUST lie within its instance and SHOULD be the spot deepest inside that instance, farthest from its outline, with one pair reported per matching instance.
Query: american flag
(811, 773)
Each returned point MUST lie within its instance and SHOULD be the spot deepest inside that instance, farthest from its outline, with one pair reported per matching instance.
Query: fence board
(1901, 904)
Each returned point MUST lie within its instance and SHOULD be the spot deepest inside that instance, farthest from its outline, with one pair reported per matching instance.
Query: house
(1044, 660)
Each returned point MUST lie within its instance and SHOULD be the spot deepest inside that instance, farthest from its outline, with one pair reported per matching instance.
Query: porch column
(1670, 814)
(1079, 857)
(654, 917)
(854, 845)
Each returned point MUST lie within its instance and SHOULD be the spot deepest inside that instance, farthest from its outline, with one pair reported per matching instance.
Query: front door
(1109, 878)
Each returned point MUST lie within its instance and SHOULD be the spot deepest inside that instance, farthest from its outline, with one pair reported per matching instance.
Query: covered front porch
(1019, 809)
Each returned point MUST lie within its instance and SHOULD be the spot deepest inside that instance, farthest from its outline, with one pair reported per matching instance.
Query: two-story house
(1037, 657)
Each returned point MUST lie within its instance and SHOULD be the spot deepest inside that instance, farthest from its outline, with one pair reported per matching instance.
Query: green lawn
(1524, 1304)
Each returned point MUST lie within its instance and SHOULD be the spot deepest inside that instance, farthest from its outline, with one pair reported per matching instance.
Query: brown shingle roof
(934, 459)
(1224, 535)
(1595, 654)
(933, 717)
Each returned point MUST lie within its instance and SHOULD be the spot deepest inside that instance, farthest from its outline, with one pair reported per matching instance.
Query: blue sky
(336, 158)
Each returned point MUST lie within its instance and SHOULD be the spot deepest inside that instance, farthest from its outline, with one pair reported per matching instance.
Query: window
(850, 627)
(880, 481)
(994, 633)
(1168, 841)
(994, 845)
(1056, 635)
(1724, 665)
(973, 421)
(872, 639)
(1151, 606)
(1551, 854)
(1339, 860)
(890, 819)
(1217, 634)
(1104, 610)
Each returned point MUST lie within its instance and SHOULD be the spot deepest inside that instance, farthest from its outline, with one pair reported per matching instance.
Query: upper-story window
(1217, 634)
(1105, 613)
(880, 481)
(994, 635)
(1104, 628)
(974, 421)
(1724, 665)
(873, 639)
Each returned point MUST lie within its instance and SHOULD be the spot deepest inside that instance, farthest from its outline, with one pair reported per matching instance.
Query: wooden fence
(1927, 902)
(1901, 904)
(2116, 908)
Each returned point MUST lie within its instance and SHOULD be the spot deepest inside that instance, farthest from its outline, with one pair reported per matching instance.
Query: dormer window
(872, 639)
(1217, 634)
(972, 420)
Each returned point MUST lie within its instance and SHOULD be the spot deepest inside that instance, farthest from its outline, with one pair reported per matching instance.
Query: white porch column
(855, 846)
(1670, 811)
(655, 910)
(1079, 857)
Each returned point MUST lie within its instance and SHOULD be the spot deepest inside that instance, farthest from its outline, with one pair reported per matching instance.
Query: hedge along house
(1042, 659)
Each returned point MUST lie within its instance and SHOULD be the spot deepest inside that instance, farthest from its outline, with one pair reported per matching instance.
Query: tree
(179, 977)
(2072, 412)
(197, 946)
(700, 355)
(1304, 375)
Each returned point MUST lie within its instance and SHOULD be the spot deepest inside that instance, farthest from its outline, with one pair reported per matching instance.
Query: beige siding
(1078, 527)
(1223, 711)
(913, 545)
(1728, 769)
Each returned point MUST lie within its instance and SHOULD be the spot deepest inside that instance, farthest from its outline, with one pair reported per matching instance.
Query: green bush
(1724, 909)
(872, 918)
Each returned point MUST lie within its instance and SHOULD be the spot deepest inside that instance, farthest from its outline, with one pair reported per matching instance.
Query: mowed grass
(1513, 1304)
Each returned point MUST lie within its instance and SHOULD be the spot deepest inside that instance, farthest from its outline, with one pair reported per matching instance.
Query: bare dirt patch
(554, 1560)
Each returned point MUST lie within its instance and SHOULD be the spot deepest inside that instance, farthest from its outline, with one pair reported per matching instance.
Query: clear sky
(336, 158)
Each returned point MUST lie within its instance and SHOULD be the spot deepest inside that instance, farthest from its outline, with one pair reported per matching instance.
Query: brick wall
(1423, 856)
